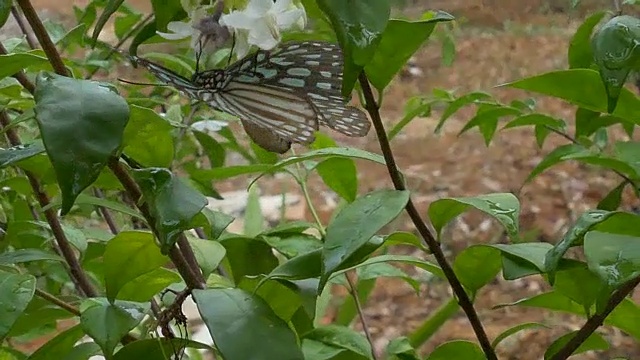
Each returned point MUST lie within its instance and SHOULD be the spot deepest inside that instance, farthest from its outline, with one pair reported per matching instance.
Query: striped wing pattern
(281, 97)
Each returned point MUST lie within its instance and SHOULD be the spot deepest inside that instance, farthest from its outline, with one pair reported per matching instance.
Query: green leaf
(595, 341)
(16, 291)
(305, 266)
(358, 222)
(111, 7)
(59, 346)
(292, 244)
(405, 238)
(26, 255)
(107, 323)
(437, 319)
(616, 53)
(559, 154)
(148, 139)
(613, 199)
(254, 219)
(248, 257)
(381, 269)
(359, 25)
(341, 337)
(571, 283)
(82, 123)
(628, 152)
(487, 121)
(414, 107)
(157, 348)
(13, 63)
(504, 207)
(614, 258)
(243, 326)
(457, 349)
(514, 330)
(339, 174)
(166, 11)
(405, 259)
(400, 348)
(5, 10)
(536, 119)
(316, 350)
(17, 153)
(574, 237)
(399, 41)
(476, 266)
(172, 203)
(129, 255)
(580, 54)
(213, 222)
(84, 351)
(148, 31)
(529, 255)
(348, 309)
(320, 153)
(208, 253)
(147, 285)
(581, 87)
(212, 148)
(459, 103)
(84, 199)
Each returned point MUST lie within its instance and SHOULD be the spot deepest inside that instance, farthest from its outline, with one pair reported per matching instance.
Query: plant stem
(43, 37)
(23, 27)
(75, 270)
(596, 320)
(126, 37)
(421, 226)
(188, 273)
(363, 320)
(58, 302)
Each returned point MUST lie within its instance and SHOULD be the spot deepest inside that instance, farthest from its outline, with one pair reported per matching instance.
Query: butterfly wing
(312, 69)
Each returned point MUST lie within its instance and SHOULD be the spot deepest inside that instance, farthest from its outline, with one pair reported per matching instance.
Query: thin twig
(23, 27)
(421, 226)
(106, 215)
(64, 246)
(188, 274)
(126, 37)
(43, 37)
(57, 301)
(596, 320)
(363, 320)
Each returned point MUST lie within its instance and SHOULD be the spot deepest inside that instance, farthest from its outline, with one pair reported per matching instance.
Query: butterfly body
(281, 97)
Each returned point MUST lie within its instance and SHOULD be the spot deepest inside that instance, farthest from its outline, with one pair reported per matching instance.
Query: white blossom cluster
(259, 24)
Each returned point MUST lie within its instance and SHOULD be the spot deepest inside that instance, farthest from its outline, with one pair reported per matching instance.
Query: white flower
(261, 22)
(181, 30)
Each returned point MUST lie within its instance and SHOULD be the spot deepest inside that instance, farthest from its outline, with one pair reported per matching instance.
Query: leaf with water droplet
(16, 291)
(614, 258)
(616, 52)
(573, 237)
(504, 207)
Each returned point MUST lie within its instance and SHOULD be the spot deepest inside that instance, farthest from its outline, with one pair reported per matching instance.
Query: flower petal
(237, 20)
(262, 36)
(258, 7)
(282, 6)
(287, 19)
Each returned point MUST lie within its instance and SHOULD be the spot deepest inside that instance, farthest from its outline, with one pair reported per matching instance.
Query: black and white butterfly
(281, 97)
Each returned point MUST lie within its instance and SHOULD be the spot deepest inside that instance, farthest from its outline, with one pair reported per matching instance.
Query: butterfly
(281, 97)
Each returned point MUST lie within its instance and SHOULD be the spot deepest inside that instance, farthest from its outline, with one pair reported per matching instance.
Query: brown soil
(497, 41)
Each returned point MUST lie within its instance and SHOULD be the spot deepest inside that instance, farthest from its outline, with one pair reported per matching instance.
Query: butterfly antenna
(142, 84)
(199, 54)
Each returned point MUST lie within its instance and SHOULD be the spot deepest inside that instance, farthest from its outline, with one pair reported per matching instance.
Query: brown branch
(59, 302)
(596, 320)
(64, 246)
(43, 37)
(421, 226)
(188, 273)
(23, 27)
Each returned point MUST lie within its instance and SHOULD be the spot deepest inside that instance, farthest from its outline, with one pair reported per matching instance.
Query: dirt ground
(497, 41)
